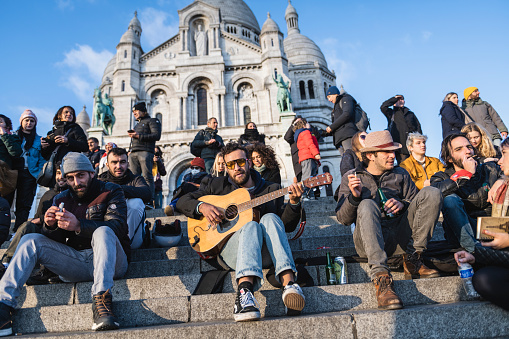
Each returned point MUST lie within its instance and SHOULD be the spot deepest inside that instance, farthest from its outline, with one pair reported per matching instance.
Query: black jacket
(204, 135)
(290, 215)
(349, 161)
(404, 122)
(134, 186)
(47, 200)
(272, 175)
(251, 136)
(453, 118)
(343, 119)
(77, 140)
(473, 191)
(149, 131)
(95, 156)
(103, 205)
(289, 137)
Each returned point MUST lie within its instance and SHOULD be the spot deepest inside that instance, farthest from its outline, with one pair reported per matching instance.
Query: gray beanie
(74, 162)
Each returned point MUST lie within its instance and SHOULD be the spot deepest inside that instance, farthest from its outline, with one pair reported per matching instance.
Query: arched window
(272, 42)
(159, 117)
(123, 86)
(201, 98)
(247, 114)
(275, 73)
(134, 55)
(324, 88)
(125, 54)
(311, 89)
(302, 89)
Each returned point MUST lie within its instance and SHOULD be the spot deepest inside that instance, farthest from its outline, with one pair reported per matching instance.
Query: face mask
(195, 171)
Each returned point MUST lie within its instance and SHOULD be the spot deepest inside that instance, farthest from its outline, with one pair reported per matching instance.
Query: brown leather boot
(386, 297)
(415, 268)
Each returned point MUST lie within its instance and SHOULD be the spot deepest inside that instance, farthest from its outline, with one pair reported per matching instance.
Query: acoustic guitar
(238, 210)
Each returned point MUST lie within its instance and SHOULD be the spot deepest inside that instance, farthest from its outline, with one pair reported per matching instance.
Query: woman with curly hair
(478, 137)
(265, 163)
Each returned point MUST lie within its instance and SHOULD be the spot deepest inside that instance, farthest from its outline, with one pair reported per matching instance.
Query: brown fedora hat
(379, 141)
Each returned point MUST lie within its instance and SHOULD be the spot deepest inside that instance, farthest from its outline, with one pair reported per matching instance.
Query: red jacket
(307, 144)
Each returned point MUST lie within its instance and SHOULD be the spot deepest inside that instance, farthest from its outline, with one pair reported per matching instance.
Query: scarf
(501, 202)
(260, 169)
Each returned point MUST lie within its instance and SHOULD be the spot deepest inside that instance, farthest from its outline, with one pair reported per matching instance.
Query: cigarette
(355, 174)
(61, 206)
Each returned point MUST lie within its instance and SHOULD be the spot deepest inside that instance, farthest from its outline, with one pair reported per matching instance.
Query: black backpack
(196, 151)
(361, 117)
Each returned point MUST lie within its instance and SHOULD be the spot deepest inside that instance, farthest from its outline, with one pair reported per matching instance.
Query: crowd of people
(393, 193)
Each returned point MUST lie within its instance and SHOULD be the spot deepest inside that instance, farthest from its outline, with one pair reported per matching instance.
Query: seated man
(403, 224)
(420, 167)
(35, 226)
(136, 192)
(86, 240)
(464, 185)
(256, 243)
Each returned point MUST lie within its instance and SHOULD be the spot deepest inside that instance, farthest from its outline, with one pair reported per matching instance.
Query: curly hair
(233, 146)
(485, 149)
(267, 153)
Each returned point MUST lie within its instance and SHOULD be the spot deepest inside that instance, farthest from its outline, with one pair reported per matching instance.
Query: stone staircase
(155, 299)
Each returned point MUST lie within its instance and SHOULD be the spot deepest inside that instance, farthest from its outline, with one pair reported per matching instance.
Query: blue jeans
(158, 199)
(209, 163)
(135, 221)
(256, 246)
(458, 225)
(141, 163)
(102, 263)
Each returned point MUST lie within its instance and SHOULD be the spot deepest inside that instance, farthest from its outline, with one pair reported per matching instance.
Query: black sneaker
(41, 277)
(104, 319)
(245, 306)
(5, 320)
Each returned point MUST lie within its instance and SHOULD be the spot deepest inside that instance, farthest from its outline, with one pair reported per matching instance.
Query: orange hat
(468, 91)
(198, 162)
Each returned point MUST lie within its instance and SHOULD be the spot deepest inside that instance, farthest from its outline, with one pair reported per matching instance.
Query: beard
(243, 179)
(458, 163)
(81, 194)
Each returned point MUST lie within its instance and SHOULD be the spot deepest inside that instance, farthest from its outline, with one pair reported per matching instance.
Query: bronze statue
(103, 111)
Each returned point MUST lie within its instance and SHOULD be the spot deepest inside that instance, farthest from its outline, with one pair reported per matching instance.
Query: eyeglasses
(231, 164)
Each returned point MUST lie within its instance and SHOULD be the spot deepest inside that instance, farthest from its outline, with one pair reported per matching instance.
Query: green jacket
(10, 146)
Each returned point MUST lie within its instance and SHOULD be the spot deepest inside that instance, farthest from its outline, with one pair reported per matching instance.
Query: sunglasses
(362, 136)
(231, 164)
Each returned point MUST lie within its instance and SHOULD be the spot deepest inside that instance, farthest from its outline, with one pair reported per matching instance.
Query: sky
(55, 51)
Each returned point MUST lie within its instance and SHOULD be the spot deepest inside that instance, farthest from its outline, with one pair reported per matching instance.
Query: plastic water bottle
(466, 272)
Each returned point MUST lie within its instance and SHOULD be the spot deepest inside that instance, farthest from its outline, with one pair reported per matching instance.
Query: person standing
(484, 114)
(143, 142)
(309, 152)
(158, 171)
(343, 126)
(289, 138)
(452, 116)
(400, 121)
(210, 143)
(31, 164)
(251, 135)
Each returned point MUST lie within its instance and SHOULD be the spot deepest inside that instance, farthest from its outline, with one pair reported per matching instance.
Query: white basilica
(220, 64)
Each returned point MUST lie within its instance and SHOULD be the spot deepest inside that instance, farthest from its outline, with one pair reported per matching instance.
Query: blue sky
(55, 51)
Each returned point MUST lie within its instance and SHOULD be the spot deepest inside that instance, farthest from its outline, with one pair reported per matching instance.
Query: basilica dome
(301, 50)
(108, 71)
(236, 12)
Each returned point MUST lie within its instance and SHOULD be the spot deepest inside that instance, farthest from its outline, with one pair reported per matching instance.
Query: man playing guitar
(257, 244)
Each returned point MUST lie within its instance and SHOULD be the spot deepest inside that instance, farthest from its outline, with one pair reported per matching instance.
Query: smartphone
(130, 131)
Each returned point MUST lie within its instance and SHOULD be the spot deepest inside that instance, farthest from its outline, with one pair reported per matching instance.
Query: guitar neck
(263, 199)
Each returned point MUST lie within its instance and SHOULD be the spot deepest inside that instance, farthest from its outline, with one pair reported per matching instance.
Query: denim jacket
(35, 161)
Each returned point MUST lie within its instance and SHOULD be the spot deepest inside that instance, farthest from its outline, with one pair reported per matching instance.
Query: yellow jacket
(416, 170)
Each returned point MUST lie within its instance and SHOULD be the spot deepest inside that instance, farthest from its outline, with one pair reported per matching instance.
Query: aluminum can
(341, 271)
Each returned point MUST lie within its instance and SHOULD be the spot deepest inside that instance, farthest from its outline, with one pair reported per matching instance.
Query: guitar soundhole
(231, 212)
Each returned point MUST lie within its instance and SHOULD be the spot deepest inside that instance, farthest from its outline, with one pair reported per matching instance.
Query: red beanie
(198, 162)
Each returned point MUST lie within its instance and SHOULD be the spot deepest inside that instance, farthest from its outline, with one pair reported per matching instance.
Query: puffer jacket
(149, 131)
(485, 115)
(453, 118)
(473, 191)
(395, 183)
(103, 205)
(343, 119)
(400, 122)
(208, 151)
(417, 173)
(307, 144)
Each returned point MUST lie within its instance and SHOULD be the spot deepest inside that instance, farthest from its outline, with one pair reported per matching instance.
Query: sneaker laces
(247, 299)
(384, 282)
(415, 259)
(103, 304)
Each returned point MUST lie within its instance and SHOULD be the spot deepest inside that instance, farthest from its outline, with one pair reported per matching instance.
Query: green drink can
(340, 270)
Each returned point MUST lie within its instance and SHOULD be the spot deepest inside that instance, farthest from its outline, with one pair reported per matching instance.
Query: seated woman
(264, 161)
(492, 280)
(484, 148)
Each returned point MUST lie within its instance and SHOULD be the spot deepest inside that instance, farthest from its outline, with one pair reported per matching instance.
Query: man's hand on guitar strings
(295, 191)
(213, 214)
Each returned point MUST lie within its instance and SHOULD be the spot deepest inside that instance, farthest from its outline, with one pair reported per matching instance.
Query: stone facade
(221, 65)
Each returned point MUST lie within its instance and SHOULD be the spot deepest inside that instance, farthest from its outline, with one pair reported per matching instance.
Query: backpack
(196, 151)
(361, 117)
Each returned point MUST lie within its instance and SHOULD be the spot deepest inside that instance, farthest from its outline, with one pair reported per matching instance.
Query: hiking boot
(169, 211)
(385, 295)
(245, 308)
(5, 320)
(104, 319)
(414, 267)
(41, 277)
(293, 298)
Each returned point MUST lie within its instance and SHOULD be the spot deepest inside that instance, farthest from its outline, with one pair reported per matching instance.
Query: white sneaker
(294, 299)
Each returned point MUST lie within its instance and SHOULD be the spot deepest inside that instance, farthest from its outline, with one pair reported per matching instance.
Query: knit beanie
(140, 106)
(27, 114)
(198, 162)
(468, 91)
(332, 90)
(74, 162)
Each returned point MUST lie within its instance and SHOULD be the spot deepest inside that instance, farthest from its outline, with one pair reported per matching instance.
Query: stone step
(200, 308)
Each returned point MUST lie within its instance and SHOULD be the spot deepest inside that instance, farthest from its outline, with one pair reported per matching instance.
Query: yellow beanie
(468, 91)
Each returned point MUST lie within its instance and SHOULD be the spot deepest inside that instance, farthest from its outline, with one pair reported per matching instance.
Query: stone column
(235, 108)
(223, 110)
